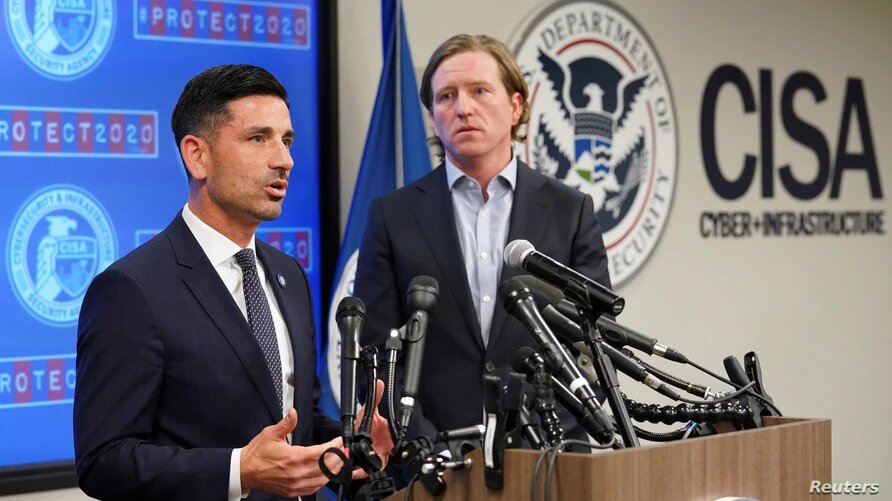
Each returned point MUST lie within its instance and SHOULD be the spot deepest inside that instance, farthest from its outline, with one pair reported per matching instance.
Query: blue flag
(395, 153)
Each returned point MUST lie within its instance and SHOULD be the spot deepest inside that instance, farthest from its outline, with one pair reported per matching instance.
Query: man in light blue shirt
(453, 225)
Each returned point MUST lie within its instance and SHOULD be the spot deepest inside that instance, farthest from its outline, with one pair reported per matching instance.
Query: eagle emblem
(601, 120)
(591, 131)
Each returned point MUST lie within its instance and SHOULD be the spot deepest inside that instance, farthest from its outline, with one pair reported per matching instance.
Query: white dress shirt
(221, 251)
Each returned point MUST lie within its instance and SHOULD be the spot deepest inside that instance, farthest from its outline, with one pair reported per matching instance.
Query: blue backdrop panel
(89, 168)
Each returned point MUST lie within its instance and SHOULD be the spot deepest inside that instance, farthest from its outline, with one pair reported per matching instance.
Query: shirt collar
(508, 173)
(217, 247)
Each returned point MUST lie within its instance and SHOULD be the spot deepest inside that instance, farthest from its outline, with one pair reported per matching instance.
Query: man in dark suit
(196, 352)
(453, 225)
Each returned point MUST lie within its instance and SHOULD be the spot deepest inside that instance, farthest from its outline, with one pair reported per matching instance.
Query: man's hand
(270, 464)
(381, 439)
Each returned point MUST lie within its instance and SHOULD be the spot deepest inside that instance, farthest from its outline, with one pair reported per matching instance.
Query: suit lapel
(432, 205)
(207, 288)
(530, 212)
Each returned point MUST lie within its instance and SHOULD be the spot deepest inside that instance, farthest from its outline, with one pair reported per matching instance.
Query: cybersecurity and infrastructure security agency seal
(58, 241)
(602, 121)
(61, 39)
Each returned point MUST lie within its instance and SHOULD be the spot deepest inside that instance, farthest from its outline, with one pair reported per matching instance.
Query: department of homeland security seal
(60, 239)
(602, 120)
(61, 39)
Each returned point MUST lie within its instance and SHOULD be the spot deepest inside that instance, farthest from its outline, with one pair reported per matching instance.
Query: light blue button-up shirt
(483, 232)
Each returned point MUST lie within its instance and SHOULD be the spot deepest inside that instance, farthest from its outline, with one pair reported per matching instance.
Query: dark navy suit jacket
(170, 377)
(413, 232)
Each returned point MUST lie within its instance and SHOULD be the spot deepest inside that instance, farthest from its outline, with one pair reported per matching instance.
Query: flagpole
(398, 103)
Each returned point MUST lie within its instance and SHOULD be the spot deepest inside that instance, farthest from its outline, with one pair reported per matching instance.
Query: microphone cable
(552, 454)
(699, 390)
(733, 385)
(692, 388)
(670, 436)
(725, 398)
(408, 496)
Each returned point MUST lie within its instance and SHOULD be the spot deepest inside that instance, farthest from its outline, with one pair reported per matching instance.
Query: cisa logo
(59, 240)
(61, 39)
(602, 121)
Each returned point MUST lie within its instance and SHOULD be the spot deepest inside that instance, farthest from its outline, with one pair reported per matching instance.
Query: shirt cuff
(235, 477)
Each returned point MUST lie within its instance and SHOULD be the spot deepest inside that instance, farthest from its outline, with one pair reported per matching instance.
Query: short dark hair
(512, 77)
(202, 105)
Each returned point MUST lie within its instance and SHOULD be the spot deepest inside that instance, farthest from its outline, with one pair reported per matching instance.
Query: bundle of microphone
(568, 313)
(580, 348)
(358, 451)
(417, 453)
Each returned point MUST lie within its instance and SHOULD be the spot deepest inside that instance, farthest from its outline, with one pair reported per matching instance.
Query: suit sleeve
(120, 367)
(376, 284)
(588, 255)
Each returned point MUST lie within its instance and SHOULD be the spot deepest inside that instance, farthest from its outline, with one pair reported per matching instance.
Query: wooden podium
(775, 463)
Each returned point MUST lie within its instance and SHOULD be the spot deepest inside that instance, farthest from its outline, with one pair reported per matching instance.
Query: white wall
(817, 310)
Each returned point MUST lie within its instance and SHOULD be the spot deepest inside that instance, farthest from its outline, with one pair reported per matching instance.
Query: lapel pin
(281, 279)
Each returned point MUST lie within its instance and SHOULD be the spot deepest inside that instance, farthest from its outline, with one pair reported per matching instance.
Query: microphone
(519, 303)
(571, 332)
(422, 298)
(738, 376)
(528, 361)
(735, 371)
(529, 430)
(612, 332)
(618, 335)
(350, 317)
(585, 292)
(472, 433)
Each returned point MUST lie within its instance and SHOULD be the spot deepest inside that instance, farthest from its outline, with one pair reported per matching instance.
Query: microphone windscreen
(511, 287)
(423, 293)
(545, 290)
(515, 252)
(735, 371)
(520, 361)
(350, 306)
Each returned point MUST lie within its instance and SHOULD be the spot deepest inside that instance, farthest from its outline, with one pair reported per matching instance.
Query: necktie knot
(245, 260)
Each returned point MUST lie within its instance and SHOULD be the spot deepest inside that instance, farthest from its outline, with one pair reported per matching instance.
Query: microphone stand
(545, 406)
(418, 453)
(361, 452)
(607, 375)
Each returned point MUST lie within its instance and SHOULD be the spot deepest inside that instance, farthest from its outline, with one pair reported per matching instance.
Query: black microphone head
(526, 360)
(515, 252)
(541, 299)
(350, 306)
(513, 290)
(735, 371)
(543, 292)
(521, 362)
(422, 294)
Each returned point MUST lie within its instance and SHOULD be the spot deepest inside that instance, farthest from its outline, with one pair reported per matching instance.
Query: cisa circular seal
(602, 121)
(59, 240)
(61, 39)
